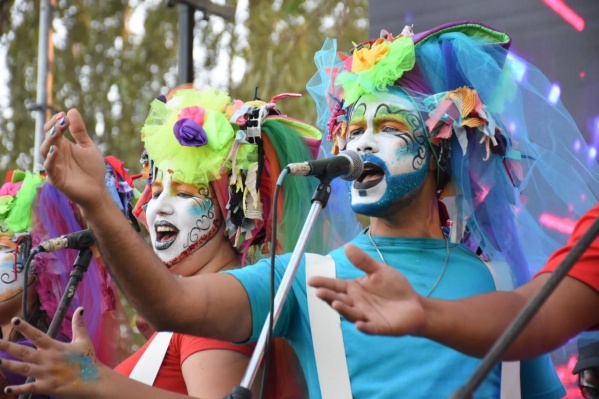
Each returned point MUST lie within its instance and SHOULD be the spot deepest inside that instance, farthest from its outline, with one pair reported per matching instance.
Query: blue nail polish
(62, 121)
(17, 322)
(53, 130)
(51, 149)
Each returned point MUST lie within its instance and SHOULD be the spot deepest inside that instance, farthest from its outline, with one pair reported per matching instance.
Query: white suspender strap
(325, 323)
(150, 361)
(510, 371)
(510, 380)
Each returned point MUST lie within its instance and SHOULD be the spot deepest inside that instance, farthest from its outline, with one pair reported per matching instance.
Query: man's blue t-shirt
(392, 367)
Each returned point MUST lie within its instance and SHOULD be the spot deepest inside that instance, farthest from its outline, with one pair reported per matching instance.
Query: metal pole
(186, 24)
(42, 81)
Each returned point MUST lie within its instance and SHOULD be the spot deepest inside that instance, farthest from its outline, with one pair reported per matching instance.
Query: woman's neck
(215, 256)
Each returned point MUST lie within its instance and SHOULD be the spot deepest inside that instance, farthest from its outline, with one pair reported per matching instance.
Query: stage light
(554, 94)
(563, 225)
(568, 14)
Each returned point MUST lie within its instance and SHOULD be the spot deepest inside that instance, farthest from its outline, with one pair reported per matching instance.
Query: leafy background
(111, 58)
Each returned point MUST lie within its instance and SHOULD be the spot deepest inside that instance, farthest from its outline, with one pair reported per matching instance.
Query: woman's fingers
(37, 337)
(54, 131)
(22, 352)
(80, 332)
(25, 389)
(21, 368)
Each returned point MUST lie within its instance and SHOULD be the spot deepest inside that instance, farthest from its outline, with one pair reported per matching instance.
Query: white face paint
(10, 285)
(390, 136)
(181, 217)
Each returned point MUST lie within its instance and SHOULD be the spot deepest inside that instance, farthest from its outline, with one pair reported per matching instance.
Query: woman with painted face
(33, 211)
(212, 166)
(210, 188)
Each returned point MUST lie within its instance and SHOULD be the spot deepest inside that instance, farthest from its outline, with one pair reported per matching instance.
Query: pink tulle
(55, 216)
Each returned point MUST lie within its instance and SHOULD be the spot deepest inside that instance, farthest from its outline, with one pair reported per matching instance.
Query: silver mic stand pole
(319, 201)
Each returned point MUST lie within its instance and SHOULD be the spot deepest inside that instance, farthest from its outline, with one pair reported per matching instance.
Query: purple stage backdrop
(561, 37)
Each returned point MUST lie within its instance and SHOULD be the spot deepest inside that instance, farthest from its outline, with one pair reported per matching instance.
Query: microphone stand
(319, 201)
(519, 323)
(80, 266)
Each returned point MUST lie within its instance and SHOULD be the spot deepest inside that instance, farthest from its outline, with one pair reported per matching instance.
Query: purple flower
(190, 133)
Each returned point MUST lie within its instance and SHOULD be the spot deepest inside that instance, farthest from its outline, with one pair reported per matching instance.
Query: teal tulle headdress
(514, 159)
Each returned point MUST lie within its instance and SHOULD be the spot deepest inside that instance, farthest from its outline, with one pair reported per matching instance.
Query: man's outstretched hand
(383, 302)
(77, 169)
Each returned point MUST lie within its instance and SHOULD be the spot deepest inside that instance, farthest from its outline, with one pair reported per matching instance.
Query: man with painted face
(399, 94)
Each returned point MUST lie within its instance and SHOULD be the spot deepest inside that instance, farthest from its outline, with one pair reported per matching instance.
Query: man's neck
(414, 217)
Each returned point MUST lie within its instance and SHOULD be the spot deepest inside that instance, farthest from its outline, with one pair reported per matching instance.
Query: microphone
(348, 165)
(79, 240)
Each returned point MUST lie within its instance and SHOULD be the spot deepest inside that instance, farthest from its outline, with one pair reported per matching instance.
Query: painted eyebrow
(189, 189)
(156, 185)
(398, 120)
(358, 121)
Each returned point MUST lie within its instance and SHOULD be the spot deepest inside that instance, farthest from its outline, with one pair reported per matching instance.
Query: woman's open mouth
(166, 234)
(370, 177)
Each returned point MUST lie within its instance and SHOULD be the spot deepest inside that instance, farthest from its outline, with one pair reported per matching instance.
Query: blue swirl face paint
(391, 137)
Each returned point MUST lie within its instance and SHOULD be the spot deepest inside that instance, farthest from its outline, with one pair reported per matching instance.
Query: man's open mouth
(166, 234)
(370, 177)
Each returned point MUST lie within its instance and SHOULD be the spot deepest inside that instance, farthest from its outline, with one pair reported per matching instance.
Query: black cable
(273, 250)
(27, 267)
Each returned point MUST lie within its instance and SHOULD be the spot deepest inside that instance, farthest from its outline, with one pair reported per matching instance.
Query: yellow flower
(366, 58)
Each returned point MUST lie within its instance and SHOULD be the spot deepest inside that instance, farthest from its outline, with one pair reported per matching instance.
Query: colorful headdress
(513, 156)
(17, 196)
(202, 136)
(31, 208)
(16, 200)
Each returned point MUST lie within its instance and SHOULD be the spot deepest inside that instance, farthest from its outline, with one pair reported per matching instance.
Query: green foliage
(110, 73)
(98, 67)
(283, 37)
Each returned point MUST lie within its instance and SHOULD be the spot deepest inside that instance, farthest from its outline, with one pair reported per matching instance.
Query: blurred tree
(111, 58)
(5, 6)
(282, 38)
(109, 62)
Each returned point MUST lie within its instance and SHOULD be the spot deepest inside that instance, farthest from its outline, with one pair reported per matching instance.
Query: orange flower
(366, 58)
